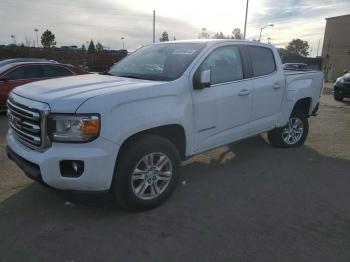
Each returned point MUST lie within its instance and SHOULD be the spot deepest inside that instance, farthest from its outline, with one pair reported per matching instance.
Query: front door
(18, 76)
(222, 111)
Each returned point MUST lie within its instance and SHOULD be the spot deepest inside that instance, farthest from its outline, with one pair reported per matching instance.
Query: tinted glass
(158, 62)
(56, 71)
(263, 60)
(225, 65)
(26, 72)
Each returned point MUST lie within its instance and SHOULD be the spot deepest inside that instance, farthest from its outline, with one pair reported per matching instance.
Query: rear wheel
(293, 134)
(147, 173)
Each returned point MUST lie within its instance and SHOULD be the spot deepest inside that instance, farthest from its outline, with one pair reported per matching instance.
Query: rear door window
(263, 60)
(56, 71)
(26, 72)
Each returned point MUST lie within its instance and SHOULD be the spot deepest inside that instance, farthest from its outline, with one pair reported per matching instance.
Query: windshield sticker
(183, 52)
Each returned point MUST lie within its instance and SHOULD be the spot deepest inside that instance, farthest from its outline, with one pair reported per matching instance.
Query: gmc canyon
(128, 129)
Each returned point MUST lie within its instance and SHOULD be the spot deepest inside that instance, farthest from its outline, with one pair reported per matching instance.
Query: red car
(16, 74)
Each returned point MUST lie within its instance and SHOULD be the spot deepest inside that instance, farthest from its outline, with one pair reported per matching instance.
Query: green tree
(283, 53)
(83, 48)
(237, 34)
(48, 39)
(164, 37)
(298, 47)
(91, 48)
(99, 47)
(219, 36)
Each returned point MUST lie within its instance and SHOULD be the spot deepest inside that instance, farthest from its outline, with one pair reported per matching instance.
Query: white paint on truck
(221, 113)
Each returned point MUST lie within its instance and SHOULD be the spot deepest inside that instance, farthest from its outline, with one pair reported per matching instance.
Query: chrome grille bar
(27, 119)
(23, 112)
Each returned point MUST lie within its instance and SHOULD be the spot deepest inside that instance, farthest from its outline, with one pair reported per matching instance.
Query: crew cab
(127, 130)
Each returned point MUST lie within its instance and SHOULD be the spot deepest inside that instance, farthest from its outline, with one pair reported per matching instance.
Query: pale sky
(76, 21)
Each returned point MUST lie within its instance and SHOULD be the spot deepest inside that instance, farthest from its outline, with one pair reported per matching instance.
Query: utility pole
(122, 38)
(154, 26)
(318, 47)
(37, 39)
(261, 29)
(14, 39)
(245, 22)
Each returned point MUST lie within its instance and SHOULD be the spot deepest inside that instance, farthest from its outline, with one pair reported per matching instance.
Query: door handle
(276, 86)
(244, 92)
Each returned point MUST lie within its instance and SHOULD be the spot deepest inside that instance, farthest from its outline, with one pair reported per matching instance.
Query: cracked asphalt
(243, 202)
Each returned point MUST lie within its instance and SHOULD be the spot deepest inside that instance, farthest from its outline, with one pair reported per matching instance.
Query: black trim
(314, 112)
(246, 62)
(206, 129)
(30, 169)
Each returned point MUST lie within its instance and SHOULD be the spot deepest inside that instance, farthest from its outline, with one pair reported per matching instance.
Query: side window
(56, 71)
(263, 61)
(225, 65)
(26, 72)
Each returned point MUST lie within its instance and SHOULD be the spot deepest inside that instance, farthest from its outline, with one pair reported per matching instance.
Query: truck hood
(66, 94)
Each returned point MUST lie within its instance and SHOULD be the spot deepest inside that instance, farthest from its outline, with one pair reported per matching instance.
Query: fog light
(71, 168)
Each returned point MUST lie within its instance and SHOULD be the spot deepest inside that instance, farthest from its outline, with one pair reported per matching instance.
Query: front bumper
(342, 90)
(99, 157)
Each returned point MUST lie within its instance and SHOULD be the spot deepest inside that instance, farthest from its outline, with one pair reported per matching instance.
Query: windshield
(163, 62)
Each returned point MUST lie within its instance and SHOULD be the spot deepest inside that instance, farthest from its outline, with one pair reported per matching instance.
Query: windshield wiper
(105, 73)
(131, 76)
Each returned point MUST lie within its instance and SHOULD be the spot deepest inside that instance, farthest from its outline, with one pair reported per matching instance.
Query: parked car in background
(19, 73)
(16, 60)
(127, 130)
(295, 66)
(342, 87)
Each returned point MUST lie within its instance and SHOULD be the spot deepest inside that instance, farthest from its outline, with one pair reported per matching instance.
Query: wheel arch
(175, 133)
(303, 105)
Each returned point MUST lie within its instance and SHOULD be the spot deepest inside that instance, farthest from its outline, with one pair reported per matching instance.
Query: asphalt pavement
(246, 201)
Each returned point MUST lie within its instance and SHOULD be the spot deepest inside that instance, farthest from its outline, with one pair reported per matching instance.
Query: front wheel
(338, 97)
(147, 173)
(293, 134)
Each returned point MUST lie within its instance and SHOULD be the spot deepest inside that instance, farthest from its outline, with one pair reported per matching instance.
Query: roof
(336, 17)
(214, 41)
(36, 63)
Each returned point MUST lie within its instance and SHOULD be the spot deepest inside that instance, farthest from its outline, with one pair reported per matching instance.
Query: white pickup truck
(128, 129)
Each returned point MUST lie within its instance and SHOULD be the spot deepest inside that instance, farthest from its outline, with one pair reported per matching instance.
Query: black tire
(135, 151)
(338, 98)
(276, 136)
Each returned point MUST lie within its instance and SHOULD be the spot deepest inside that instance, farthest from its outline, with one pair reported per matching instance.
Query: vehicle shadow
(247, 199)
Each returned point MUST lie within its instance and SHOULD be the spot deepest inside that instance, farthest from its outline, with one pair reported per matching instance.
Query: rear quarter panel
(300, 85)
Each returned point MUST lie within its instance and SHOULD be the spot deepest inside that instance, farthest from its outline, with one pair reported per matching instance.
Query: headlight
(73, 128)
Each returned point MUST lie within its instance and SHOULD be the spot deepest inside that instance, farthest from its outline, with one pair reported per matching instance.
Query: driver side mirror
(203, 80)
(5, 78)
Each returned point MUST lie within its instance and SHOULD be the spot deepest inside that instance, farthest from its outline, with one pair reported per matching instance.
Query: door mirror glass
(203, 80)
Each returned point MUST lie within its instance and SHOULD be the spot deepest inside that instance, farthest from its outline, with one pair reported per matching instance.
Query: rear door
(268, 84)
(222, 111)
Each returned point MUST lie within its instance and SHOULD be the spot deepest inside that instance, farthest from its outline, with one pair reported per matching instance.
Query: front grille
(25, 122)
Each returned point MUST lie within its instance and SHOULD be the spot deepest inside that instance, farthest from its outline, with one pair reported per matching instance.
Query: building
(336, 47)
